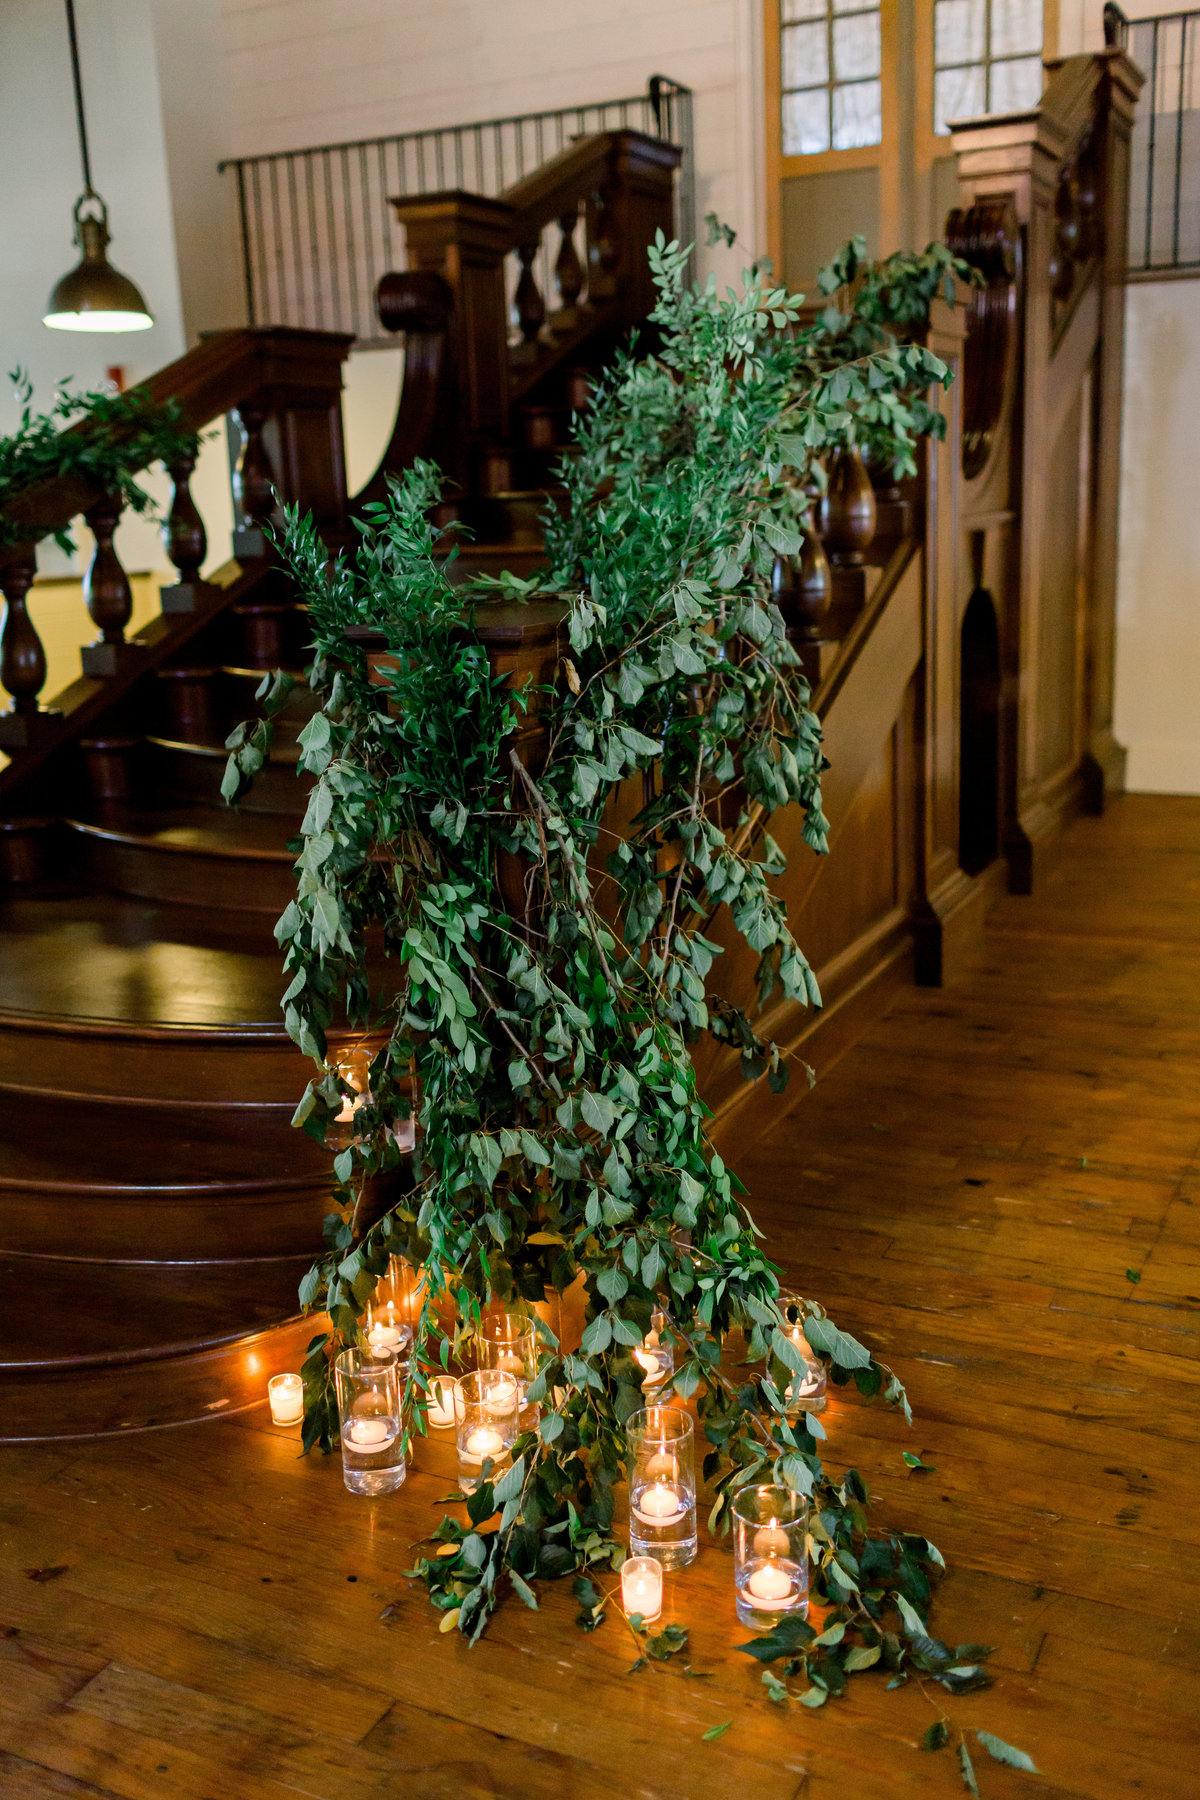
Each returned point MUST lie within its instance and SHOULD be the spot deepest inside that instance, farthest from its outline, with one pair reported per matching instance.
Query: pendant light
(94, 296)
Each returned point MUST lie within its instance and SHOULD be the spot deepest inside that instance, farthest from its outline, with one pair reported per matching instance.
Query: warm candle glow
(771, 1541)
(286, 1394)
(641, 1586)
(659, 1502)
(441, 1400)
(482, 1442)
(662, 1465)
(770, 1582)
(369, 1434)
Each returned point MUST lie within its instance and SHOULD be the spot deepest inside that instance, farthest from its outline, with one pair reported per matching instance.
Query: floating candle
(386, 1337)
(370, 1434)
(658, 1503)
(482, 1442)
(662, 1465)
(769, 1582)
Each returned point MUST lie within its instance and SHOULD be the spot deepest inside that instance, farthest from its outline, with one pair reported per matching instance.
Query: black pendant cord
(79, 118)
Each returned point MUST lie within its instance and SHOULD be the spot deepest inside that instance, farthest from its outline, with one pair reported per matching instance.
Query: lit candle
(386, 1337)
(441, 1400)
(642, 1586)
(771, 1540)
(770, 1582)
(369, 1434)
(482, 1442)
(501, 1403)
(658, 1503)
(662, 1465)
(286, 1394)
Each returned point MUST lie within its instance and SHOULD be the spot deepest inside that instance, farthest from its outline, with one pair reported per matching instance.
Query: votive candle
(440, 1406)
(642, 1586)
(286, 1394)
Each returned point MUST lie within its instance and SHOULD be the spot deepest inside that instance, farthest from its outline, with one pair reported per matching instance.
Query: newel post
(464, 238)
(293, 449)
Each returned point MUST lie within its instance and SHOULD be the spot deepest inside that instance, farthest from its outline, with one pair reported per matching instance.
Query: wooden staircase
(157, 1210)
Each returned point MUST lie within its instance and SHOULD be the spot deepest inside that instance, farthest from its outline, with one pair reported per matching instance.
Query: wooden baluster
(253, 482)
(604, 252)
(849, 510)
(802, 588)
(185, 541)
(106, 588)
(531, 308)
(22, 658)
(568, 273)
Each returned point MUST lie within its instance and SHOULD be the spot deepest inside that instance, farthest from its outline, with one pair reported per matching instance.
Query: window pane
(803, 9)
(857, 115)
(806, 122)
(1016, 27)
(958, 31)
(805, 56)
(847, 6)
(1016, 86)
(856, 46)
(957, 94)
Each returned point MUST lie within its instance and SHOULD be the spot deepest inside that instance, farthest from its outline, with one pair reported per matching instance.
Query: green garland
(561, 1134)
(122, 435)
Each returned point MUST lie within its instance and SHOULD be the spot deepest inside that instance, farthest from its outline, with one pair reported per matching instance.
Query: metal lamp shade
(95, 296)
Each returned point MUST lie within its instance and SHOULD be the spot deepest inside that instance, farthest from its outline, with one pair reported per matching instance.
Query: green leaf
(1006, 1753)
(1134, 1275)
(914, 1462)
(814, 1696)
(967, 1770)
(716, 1731)
(863, 1656)
(937, 1736)
(846, 1351)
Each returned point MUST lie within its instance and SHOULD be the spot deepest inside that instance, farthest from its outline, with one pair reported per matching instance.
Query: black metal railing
(1164, 221)
(317, 229)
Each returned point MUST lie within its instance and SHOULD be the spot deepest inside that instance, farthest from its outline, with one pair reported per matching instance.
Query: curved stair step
(194, 855)
(88, 1356)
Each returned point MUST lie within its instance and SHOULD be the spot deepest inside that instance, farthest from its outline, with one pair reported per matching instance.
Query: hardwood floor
(199, 1614)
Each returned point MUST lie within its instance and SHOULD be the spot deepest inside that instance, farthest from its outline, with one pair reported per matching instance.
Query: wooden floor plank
(966, 1190)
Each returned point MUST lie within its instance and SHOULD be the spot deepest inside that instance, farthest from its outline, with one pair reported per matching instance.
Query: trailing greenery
(102, 438)
(530, 980)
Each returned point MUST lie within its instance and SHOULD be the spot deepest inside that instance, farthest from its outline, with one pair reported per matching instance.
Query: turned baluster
(802, 588)
(22, 658)
(184, 539)
(849, 511)
(568, 270)
(531, 308)
(603, 250)
(253, 482)
(106, 590)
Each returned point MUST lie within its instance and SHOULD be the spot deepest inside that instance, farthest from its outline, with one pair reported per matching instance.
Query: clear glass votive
(485, 1424)
(642, 1586)
(507, 1342)
(662, 1485)
(770, 1566)
(286, 1395)
(439, 1402)
(372, 1432)
(385, 1326)
(807, 1392)
(657, 1354)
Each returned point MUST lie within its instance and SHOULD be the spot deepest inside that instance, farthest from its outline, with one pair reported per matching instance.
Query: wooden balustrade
(285, 387)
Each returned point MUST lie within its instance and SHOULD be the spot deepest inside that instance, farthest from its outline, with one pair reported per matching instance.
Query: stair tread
(72, 952)
(136, 1313)
(85, 1147)
(211, 830)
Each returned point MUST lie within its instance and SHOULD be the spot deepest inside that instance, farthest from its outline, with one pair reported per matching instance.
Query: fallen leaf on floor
(50, 1574)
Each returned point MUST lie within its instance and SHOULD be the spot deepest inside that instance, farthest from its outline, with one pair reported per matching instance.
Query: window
(987, 57)
(832, 97)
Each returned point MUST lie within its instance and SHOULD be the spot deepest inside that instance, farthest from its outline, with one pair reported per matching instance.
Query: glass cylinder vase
(485, 1425)
(770, 1564)
(507, 1342)
(662, 1485)
(368, 1396)
(806, 1392)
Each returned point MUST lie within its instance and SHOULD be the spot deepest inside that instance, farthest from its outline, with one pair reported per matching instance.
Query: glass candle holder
(770, 1565)
(662, 1485)
(507, 1342)
(439, 1403)
(642, 1586)
(385, 1326)
(807, 1392)
(286, 1394)
(657, 1354)
(486, 1403)
(372, 1432)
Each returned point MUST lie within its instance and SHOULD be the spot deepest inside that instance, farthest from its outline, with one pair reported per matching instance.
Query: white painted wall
(306, 72)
